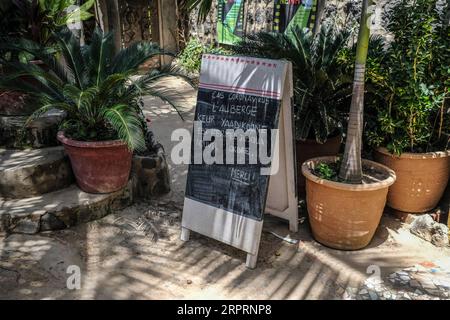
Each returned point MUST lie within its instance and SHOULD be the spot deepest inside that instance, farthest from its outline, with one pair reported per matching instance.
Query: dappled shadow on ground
(137, 254)
(34, 266)
(165, 119)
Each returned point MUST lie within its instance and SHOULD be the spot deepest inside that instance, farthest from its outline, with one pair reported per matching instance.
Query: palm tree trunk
(351, 167)
(319, 13)
(114, 22)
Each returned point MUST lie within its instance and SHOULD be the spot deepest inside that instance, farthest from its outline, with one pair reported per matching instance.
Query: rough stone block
(28, 173)
(150, 175)
(428, 229)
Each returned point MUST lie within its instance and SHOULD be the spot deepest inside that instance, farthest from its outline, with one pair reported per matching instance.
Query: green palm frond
(44, 81)
(100, 93)
(99, 56)
(46, 105)
(71, 50)
(82, 100)
(319, 79)
(204, 7)
(135, 55)
(126, 123)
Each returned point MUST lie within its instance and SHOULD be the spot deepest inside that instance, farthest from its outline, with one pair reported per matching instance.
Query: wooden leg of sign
(251, 260)
(185, 234)
(293, 224)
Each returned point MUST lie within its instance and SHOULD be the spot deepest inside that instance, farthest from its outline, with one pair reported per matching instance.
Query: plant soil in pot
(421, 179)
(309, 149)
(100, 166)
(342, 215)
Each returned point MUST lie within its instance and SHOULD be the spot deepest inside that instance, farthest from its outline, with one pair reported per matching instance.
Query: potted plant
(320, 86)
(411, 125)
(100, 92)
(27, 26)
(346, 197)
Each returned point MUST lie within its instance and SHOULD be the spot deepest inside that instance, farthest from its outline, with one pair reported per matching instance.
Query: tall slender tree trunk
(114, 23)
(108, 16)
(319, 13)
(351, 166)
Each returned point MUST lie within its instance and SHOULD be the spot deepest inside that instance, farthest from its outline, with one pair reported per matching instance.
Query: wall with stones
(259, 17)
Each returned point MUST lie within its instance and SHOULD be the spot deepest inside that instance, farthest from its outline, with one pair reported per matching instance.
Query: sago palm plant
(99, 91)
(320, 84)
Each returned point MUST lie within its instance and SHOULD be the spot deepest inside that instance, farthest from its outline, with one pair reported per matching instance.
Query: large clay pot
(421, 179)
(345, 216)
(99, 167)
(309, 149)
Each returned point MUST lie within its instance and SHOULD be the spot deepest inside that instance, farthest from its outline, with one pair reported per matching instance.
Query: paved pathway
(164, 120)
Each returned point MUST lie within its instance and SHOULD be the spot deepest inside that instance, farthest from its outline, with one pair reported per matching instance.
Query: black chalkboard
(240, 189)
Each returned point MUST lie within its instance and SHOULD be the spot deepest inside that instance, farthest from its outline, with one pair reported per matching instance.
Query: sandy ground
(137, 254)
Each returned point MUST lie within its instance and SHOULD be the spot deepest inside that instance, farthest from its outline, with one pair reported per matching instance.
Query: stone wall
(259, 17)
(150, 175)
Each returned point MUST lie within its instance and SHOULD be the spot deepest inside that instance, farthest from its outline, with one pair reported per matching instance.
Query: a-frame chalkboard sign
(227, 201)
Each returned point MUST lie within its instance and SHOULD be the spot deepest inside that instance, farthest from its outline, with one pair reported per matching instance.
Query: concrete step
(28, 173)
(59, 209)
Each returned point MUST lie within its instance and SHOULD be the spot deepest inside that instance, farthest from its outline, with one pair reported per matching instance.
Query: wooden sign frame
(249, 76)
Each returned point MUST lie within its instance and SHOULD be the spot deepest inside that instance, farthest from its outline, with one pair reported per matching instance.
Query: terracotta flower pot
(421, 179)
(346, 216)
(309, 149)
(99, 167)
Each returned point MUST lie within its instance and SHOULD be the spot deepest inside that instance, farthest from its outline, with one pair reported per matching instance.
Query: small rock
(405, 278)
(363, 291)
(445, 284)
(429, 285)
(189, 281)
(428, 229)
(340, 291)
(373, 295)
(379, 289)
(414, 284)
(433, 292)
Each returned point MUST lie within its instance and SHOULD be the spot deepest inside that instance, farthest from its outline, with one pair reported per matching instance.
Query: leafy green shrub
(98, 89)
(326, 171)
(321, 85)
(191, 57)
(27, 26)
(408, 106)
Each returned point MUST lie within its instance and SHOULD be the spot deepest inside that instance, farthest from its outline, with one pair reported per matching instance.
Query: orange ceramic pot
(100, 166)
(345, 216)
(421, 179)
